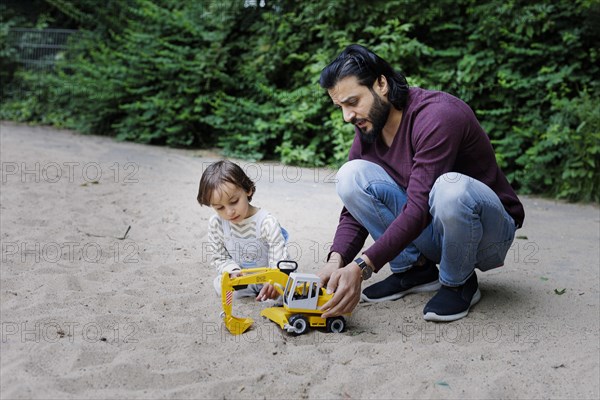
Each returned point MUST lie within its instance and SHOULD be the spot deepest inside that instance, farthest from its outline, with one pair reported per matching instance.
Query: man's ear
(382, 85)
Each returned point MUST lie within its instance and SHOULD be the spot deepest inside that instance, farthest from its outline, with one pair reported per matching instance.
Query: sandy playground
(106, 291)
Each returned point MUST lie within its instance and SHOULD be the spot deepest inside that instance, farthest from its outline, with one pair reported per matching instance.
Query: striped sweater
(269, 232)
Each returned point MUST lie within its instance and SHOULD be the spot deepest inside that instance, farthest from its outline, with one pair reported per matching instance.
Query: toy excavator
(301, 294)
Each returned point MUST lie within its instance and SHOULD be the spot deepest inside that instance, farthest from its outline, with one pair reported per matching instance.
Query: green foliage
(565, 158)
(246, 78)
(8, 62)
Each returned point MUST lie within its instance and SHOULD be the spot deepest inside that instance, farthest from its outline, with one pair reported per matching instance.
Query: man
(423, 181)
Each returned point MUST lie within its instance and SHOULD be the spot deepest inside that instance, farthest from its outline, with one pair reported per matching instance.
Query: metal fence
(39, 49)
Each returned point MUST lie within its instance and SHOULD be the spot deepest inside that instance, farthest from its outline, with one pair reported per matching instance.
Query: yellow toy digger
(302, 298)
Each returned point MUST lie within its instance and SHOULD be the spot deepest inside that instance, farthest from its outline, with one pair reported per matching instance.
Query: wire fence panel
(39, 49)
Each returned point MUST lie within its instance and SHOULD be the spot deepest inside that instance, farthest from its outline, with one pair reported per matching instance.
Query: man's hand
(345, 282)
(334, 263)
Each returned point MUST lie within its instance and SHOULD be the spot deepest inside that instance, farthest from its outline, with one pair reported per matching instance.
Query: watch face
(366, 272)
(365, 269)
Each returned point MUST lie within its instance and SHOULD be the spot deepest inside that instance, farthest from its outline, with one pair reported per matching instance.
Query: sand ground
(106, 291)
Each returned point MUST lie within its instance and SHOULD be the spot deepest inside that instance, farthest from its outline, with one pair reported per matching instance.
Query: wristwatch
(367, 271)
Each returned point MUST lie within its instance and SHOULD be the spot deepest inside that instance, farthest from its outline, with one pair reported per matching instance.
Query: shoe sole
(431, 316)
(427, 287)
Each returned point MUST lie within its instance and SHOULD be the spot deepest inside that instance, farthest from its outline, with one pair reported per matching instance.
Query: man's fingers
(330, 312)
(333, 283)
(324, 279)
(339, 305)
(327, 272)
(331, 303)
(343, 302)
(344, 307)
(332, 288)
(346, 289)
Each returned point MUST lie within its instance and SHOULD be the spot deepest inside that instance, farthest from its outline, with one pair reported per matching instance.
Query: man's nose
(348, 115)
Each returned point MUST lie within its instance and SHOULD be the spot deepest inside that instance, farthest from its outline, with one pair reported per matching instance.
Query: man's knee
(348, 177)
(448, 191)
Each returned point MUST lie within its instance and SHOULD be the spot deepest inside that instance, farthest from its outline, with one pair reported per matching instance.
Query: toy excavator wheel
(299, 323)
(336, 324)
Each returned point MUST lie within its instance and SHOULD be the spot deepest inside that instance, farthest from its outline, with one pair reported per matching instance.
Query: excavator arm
(276, 277)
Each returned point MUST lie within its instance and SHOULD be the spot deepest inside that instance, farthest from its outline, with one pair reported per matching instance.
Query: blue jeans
(469, 228)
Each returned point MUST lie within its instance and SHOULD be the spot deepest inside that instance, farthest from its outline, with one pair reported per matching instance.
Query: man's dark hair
(367, 66)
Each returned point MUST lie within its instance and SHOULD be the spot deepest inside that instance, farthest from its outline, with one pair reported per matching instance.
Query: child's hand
(268, 291)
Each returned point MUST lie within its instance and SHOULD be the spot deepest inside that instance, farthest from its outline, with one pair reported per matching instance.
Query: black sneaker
(415, 280)
(452, 303)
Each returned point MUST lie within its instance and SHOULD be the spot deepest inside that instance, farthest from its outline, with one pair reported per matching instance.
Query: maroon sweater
(438, 133)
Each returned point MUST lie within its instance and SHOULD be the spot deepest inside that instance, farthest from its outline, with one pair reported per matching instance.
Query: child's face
(231, 203)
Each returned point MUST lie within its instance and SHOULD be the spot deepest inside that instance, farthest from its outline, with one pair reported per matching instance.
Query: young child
(241, 235)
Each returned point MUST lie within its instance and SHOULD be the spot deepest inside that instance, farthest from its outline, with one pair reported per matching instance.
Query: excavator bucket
(236, 325)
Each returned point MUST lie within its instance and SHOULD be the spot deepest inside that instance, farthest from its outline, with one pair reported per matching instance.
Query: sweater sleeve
(270, 232)
(220, 259)
(349, 237)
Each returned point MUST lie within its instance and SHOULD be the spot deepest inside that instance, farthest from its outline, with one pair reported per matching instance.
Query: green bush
(246, 78)
(564, 158)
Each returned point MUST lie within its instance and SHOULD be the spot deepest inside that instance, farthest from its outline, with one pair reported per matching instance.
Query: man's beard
(378, 115)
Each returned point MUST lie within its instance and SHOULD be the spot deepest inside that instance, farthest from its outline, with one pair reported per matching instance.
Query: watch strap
(366, 270)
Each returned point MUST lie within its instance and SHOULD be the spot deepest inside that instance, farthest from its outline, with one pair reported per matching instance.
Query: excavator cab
(301, 291)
